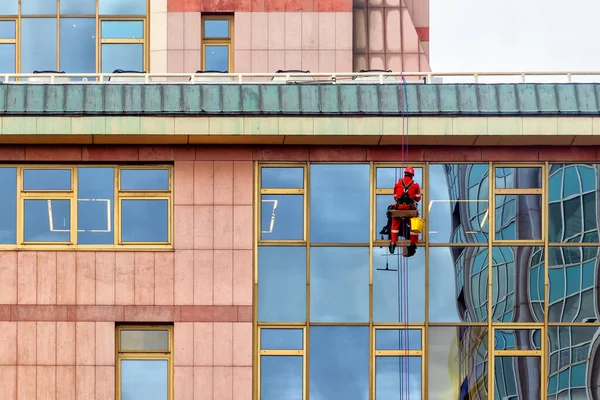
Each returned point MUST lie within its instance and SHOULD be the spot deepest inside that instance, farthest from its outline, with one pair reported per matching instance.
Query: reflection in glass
(216, 29)
(144, 179)
(78, 49)
(145, 221)
(144, 340)
(38, 7)
(8, 29)
(46, 179)
(518, 178)
(144, 380)
(398, 339)
(78, 7)
(457, 357)
(281, 339)
(38, 48)
(282, 178)
(339, 284)
(281, 284)
(458, 284)
(458, 203)
(129, 57)
(397, 378)
(517, 339)
(95, 213)
(8, 59)
(47, 220)
(282, 217)
(518, 217)
(9, 7)
(120, 7)
(572, 284)
(339, 362)
(339, 203)
(398, 296)
(8, 206)
(216, 58)
(517, 378)
(387, 177)
(122, 29)
(281, 377)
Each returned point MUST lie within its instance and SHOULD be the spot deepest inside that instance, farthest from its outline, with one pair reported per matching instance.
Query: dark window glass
(47, 179)
(218, 29)
(129, 57)
(122, 29)
(8, 29)
(8, 59)
(144, 179)
(145, 221)
(9, 7)
(144, 340)
(38, 47)
(119, 7)
(514, 376)
(38, 7)
(95, 206)
(516, 339)
(78, 7)
(282, 217)
(281, 377)
(518, 217)
(518, 178)
(47, 220)
(282, 178)
(398, 339)
(282, 284)
(339, 362)
(281, 339)
(8, 206)
(216, 58)
(78, 45)
(144, 379)
(398, 377)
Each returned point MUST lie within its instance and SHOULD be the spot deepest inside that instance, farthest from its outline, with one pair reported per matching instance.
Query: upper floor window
(74, 36)
(217, 33)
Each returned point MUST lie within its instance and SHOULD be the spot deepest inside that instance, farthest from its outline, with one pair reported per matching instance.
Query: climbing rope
(404, 270)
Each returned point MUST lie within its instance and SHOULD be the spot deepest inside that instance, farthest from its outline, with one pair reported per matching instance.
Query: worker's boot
(411, 250)
(392, 247)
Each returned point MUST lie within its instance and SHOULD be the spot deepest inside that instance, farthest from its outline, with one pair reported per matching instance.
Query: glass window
(8, 59)
(47, 220)
(398, 378)
(517, 339)
(9, 7)
(282, 178)
(216, 58)
(38, 48)
(398, 339)
(388, 177)
(122, 29)
(339, 203)
(95, 206)
(144, 340)
(281, 284)
(399, 290)
(79, 56)
(458, 203)
(129, 57)
(517, 377)
(8, 206)
(518, 217)
(339, 362)
(216, 28)
(38, 7)
(8, 29)
(518, 178)
(339, 284)
(281, 339)
(145, 220)
(144, 179)
(119, 7)
(144, 379)
(46, 179)
(458, 284)
(78, 7)
(281, 377)
(282, 217)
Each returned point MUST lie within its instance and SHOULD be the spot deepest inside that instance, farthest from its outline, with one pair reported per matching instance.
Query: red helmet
(410, 171)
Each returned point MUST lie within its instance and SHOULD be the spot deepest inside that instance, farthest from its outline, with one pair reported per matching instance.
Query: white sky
(514, 35)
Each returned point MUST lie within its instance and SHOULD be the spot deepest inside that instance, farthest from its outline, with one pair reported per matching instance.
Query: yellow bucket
(416, 225)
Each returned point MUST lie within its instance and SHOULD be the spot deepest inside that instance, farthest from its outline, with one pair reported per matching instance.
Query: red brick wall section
(258, 5)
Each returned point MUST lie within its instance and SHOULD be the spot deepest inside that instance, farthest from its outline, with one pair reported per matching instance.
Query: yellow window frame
(144, 354)
(14, 41)
(101, 40)
(207, 41)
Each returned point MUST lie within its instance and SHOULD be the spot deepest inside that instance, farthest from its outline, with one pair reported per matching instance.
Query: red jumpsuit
(413, 192)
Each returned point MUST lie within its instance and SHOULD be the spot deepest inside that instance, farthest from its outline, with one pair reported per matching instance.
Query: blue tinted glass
(145, 221)
(518, 178)
(38, 47)
(8, 29)
(96, 205)
(339, 362)
(282, 178)
(129, 57)
(8, 206)
(515, 339)
(78, 45)
(398, 378)
(513, 373)
(8, 59)
(339, 203)
(387, 177)
(216, 28)
(47, 220)
(78, 7)
(282, 284)
(47, 179)
(281, 339)
(122, 30)
(339, 284)
(216, 58)
(145, 179)
(144, 380)
(9, 7)
(38, 7)
(281, 377)
(282, 217)
(398, 339)
(519, 217)
(401, 292)
(119, 7)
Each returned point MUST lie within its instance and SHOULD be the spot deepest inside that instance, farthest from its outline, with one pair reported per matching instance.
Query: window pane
(518, 217)
(8, 29)
(517, 378)
(144, 379)
(282, 284)
(339, 284)
(339, 362)
(145, 221)
(339, 203)
(8, 206)
(78, 45)
(518, 178)
(47, 179)
(145, 340)
(144, 179)
(516, 339)
(47, 220)
(282, 178)
(458, 206)
(281, 339)
(398, 378)
(78, 7)
(117, 7)
(281, 377)
(387, 177)
(9, 7)
(38, 44)
(398, 339)
(282, 217)
(458, 284)
(129, 57)
(38, 7)
(457, 358)
(8, 59)
(216, 28)
(396, 294)
(95, 205)
(216, 58)
(122, 30)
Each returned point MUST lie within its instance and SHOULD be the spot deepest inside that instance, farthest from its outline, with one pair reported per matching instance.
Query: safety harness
(405, 199)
